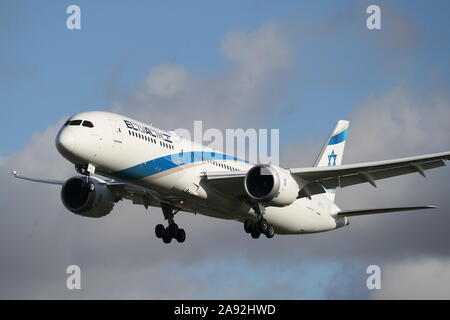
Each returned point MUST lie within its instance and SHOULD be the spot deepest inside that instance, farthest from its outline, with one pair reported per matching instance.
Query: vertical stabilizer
(333, 150)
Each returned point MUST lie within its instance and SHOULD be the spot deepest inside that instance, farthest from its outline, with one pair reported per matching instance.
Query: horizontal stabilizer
(350, 213)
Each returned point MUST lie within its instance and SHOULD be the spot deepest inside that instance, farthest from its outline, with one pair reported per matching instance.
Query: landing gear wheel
(91, 186)
(181, 235)
(248, 225)
(159, 231)
(262, 225)
(173, 230)
(166, 238)
(255, 234)
(270, 231)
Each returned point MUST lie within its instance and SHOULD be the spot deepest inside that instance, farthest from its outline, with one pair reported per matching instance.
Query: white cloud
(239, 94)
(417, 279)
(399, 123)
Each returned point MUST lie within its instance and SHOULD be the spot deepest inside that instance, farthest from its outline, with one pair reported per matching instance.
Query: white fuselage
(171, 168)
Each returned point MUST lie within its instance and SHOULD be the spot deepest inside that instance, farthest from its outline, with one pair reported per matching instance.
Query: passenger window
(87, 124)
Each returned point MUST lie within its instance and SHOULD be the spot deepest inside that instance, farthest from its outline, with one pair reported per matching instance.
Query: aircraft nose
(66, 141)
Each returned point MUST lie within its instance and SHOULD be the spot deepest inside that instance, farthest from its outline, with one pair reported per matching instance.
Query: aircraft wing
(317, 179)
(347, 175)
(119, 189)
(48, 181)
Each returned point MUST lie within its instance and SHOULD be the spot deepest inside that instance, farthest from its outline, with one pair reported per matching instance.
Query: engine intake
(88, 199)
(262, 183)
(271, 185)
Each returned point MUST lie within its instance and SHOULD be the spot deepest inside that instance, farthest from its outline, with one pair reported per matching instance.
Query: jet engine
(271, 185)
(87, 198)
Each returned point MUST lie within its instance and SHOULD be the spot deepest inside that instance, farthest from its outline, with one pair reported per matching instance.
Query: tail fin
(333, 150)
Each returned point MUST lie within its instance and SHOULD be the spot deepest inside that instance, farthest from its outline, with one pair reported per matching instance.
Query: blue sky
(48, 72)
(51, 72)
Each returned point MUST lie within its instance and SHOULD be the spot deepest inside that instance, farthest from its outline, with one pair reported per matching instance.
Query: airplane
(119, 158)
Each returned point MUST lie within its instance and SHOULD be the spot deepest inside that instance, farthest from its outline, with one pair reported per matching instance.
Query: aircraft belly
(299, 218)
(185, 185)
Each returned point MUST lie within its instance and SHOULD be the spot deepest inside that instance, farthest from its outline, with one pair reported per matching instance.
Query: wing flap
(229, 183)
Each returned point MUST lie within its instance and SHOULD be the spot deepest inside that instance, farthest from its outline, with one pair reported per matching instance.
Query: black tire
(166, 238)
(248, 224)
(159, 231)
(262, 225)
(255, 234)
(270, 231)
(91, 186)
(173, 230)
(181, 236)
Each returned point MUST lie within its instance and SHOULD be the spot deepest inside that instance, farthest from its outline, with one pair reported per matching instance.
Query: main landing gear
(261, 226)
(171, 231)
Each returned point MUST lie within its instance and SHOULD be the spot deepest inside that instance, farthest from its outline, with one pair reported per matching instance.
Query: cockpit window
(66, 124)
(87, 124)
(74, 122)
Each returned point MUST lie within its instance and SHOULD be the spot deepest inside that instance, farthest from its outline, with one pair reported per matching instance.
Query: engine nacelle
(271, 185)
(88, 199)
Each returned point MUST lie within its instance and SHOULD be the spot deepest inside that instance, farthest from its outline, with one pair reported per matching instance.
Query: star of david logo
(332, 159)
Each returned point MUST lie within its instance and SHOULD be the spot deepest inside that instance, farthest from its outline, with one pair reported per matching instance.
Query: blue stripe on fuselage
(168, 162)
(338, 138)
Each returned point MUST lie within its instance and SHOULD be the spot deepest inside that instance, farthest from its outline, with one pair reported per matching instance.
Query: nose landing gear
(171, 231)
(86, 170)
